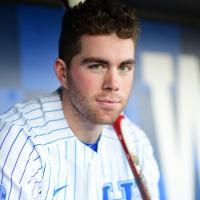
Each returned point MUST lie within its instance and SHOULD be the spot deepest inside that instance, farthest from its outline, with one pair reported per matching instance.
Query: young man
(63, 146)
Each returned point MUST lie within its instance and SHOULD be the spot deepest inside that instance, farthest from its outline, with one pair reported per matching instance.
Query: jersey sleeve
(20, 165)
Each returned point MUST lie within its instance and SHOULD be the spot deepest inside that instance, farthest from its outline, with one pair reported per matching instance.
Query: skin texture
(97, 84)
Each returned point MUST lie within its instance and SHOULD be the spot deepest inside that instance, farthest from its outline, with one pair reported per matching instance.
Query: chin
(105, 120)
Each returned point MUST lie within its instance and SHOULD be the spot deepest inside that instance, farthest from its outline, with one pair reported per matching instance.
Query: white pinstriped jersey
(40, 158)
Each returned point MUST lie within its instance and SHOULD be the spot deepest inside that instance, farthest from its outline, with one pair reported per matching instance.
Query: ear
(60, 69)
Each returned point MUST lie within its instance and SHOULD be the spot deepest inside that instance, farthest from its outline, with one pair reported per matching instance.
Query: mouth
(109, 100)
(109, 103)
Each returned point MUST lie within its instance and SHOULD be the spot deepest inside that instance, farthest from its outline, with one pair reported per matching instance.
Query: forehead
(106, 46)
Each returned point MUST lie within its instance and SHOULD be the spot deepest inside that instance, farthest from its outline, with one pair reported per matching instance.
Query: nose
(111, 80)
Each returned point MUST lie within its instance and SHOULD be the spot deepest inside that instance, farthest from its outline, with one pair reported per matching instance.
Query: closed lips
(108, 100)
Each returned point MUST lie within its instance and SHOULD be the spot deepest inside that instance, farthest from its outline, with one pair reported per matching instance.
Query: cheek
(87, 84)
(127, 86)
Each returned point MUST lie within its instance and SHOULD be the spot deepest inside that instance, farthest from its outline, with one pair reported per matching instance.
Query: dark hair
(95, 17)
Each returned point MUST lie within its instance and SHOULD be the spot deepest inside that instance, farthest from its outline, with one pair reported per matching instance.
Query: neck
(83, 129)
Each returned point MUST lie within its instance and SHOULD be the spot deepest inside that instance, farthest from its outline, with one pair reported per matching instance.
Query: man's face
(100, 78)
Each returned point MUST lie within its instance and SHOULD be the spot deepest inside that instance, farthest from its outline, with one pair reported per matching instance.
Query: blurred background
(165, 100)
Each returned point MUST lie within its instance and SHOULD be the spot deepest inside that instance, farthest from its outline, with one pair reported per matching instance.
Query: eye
(96, 67)
(126, 68)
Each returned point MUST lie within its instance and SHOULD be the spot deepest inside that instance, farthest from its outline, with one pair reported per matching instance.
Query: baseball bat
(133, 162)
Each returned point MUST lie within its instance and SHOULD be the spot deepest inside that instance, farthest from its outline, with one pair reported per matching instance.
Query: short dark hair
(95, 17)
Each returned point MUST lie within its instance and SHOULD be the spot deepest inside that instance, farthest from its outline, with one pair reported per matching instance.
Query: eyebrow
(94, 59)
(106, 62)
(129, 61)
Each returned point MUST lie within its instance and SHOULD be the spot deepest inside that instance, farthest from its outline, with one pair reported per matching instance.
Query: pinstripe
(53, 98)
(53, 120)
(26, 165)
(6, 136)
(56, 110)
(28, 104)
(13, 114)
(36, 103)
(35, 183)
(49, 150)
(30, 111)
(84, 169)
(36, 158)
(47, 111)
(111, 138)
(66, 164)
(43, 171)
(45, 102)
(37, 171)
(60, 139)
(24, 123)
(20, 192)
(20, 154)
(48, 183)
(33, 188)
(7, 117)
(59, 129)
(17, 118)
(75, 171)
(87, 180)
(8, 154)
(3, 126)
(58, 165)
(15, 166)
(44, 112)
(40, 117)
(37, 196)
(30, 129)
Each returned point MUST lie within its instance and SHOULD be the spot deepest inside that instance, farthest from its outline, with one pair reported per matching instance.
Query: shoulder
(37, 120)
(22, 114)
(137, 134)
(137, 137)
(37, 116)
(143, 149)
(140, 141)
